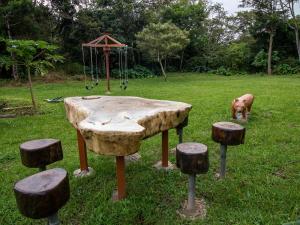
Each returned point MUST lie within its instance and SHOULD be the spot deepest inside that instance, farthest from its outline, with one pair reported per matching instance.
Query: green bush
(222, 71)
(135, 72)
(285, 69)
(73, 68)
(261, 59)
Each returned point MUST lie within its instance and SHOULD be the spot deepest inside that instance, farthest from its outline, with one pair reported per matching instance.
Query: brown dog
(242, 105)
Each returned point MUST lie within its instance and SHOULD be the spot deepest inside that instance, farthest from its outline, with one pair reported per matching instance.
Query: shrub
(284, 69)
(222, 71)
(261, 59)
(135, 72)
(73, 68)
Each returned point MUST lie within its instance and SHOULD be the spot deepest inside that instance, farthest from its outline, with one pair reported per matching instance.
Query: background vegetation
(265, 38)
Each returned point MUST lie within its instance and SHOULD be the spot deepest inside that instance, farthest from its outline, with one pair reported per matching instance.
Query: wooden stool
(192, 159)
(227, 133)
(43, 194)
(40, 153)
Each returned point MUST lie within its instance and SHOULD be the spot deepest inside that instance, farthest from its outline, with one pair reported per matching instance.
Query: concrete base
(173, 151)
(159, 166)
(84, 173)
(133, 158)
(114, 196)
(198, 213)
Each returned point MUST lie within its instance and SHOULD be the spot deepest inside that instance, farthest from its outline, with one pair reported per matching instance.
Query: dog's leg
(244, 113)
(233, 113)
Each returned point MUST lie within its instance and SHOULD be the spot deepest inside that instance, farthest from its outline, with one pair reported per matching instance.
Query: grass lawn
(263, 180)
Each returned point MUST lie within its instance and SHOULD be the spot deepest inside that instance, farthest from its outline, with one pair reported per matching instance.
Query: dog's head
(239, 105)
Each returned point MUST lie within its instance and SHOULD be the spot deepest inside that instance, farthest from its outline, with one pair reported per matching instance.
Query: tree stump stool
(192, 159)
(227, 133)
(43, 194)
(40, 153)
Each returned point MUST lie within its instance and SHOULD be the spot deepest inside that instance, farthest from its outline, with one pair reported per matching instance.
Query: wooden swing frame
(105, 42)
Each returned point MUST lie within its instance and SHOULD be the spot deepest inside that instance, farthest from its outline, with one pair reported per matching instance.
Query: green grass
(263, 181)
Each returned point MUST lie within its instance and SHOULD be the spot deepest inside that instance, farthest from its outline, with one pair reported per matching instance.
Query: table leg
(120, 161)
(165, 148)
(82, 152)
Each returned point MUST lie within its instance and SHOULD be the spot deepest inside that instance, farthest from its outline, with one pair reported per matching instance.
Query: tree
(190, 17)
(267, 17)
(33, 55)
(162, 40)
(288, 6)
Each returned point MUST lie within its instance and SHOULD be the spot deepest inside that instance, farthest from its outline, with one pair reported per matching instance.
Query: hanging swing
(106, 43)
(94, 71)
(123, 68)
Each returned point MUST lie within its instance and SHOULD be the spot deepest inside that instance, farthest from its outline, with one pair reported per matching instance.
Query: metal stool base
(199, 212)
(159, 166)
(84, 173)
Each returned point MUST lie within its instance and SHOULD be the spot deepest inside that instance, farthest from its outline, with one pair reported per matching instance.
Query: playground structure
(106, 43)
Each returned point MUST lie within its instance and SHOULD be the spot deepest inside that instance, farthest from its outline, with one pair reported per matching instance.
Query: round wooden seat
(227, 133)
(40, 153)
(43, 194)
(192, 158)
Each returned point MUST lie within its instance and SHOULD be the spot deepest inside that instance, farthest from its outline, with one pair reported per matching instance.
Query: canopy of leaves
(162, 40)
(39, 55)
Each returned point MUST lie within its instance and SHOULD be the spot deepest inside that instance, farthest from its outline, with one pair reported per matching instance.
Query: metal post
(106, 53)
(165, 149)
(120, 161)
(180, 134)
(223, 150)
(82, 152)
(191, 197)
(53, 220)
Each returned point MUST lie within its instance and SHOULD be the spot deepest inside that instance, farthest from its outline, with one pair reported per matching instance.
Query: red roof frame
(109, 42)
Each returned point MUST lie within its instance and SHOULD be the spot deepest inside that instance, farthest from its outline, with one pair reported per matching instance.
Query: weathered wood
(42, 152)
(192, 158)
(43, 194)
(227, 133)
(5, 116)
(116, 125)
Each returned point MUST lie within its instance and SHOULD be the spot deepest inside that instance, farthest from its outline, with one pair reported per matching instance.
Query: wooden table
(116, 125)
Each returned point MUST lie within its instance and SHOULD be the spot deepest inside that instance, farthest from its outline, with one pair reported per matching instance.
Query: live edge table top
(116, 125)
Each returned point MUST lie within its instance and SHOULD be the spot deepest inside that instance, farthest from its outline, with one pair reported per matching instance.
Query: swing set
(106, 43)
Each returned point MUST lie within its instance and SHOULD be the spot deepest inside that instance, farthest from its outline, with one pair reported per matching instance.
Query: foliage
(162, 40)
(137, 71)
(261, 59)
(216, 38)
(223, 71)
(33, 55)
(72, 69)
(285, 69)
(238, 56)
(38, 55)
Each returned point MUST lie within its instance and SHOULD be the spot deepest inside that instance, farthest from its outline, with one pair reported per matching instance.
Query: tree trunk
(162, 68)
(30, 88)
(14, 67)
(270, 53)
(181, 61)
(297, 42)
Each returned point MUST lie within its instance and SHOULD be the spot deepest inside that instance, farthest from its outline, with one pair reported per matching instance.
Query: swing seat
(54, 100)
